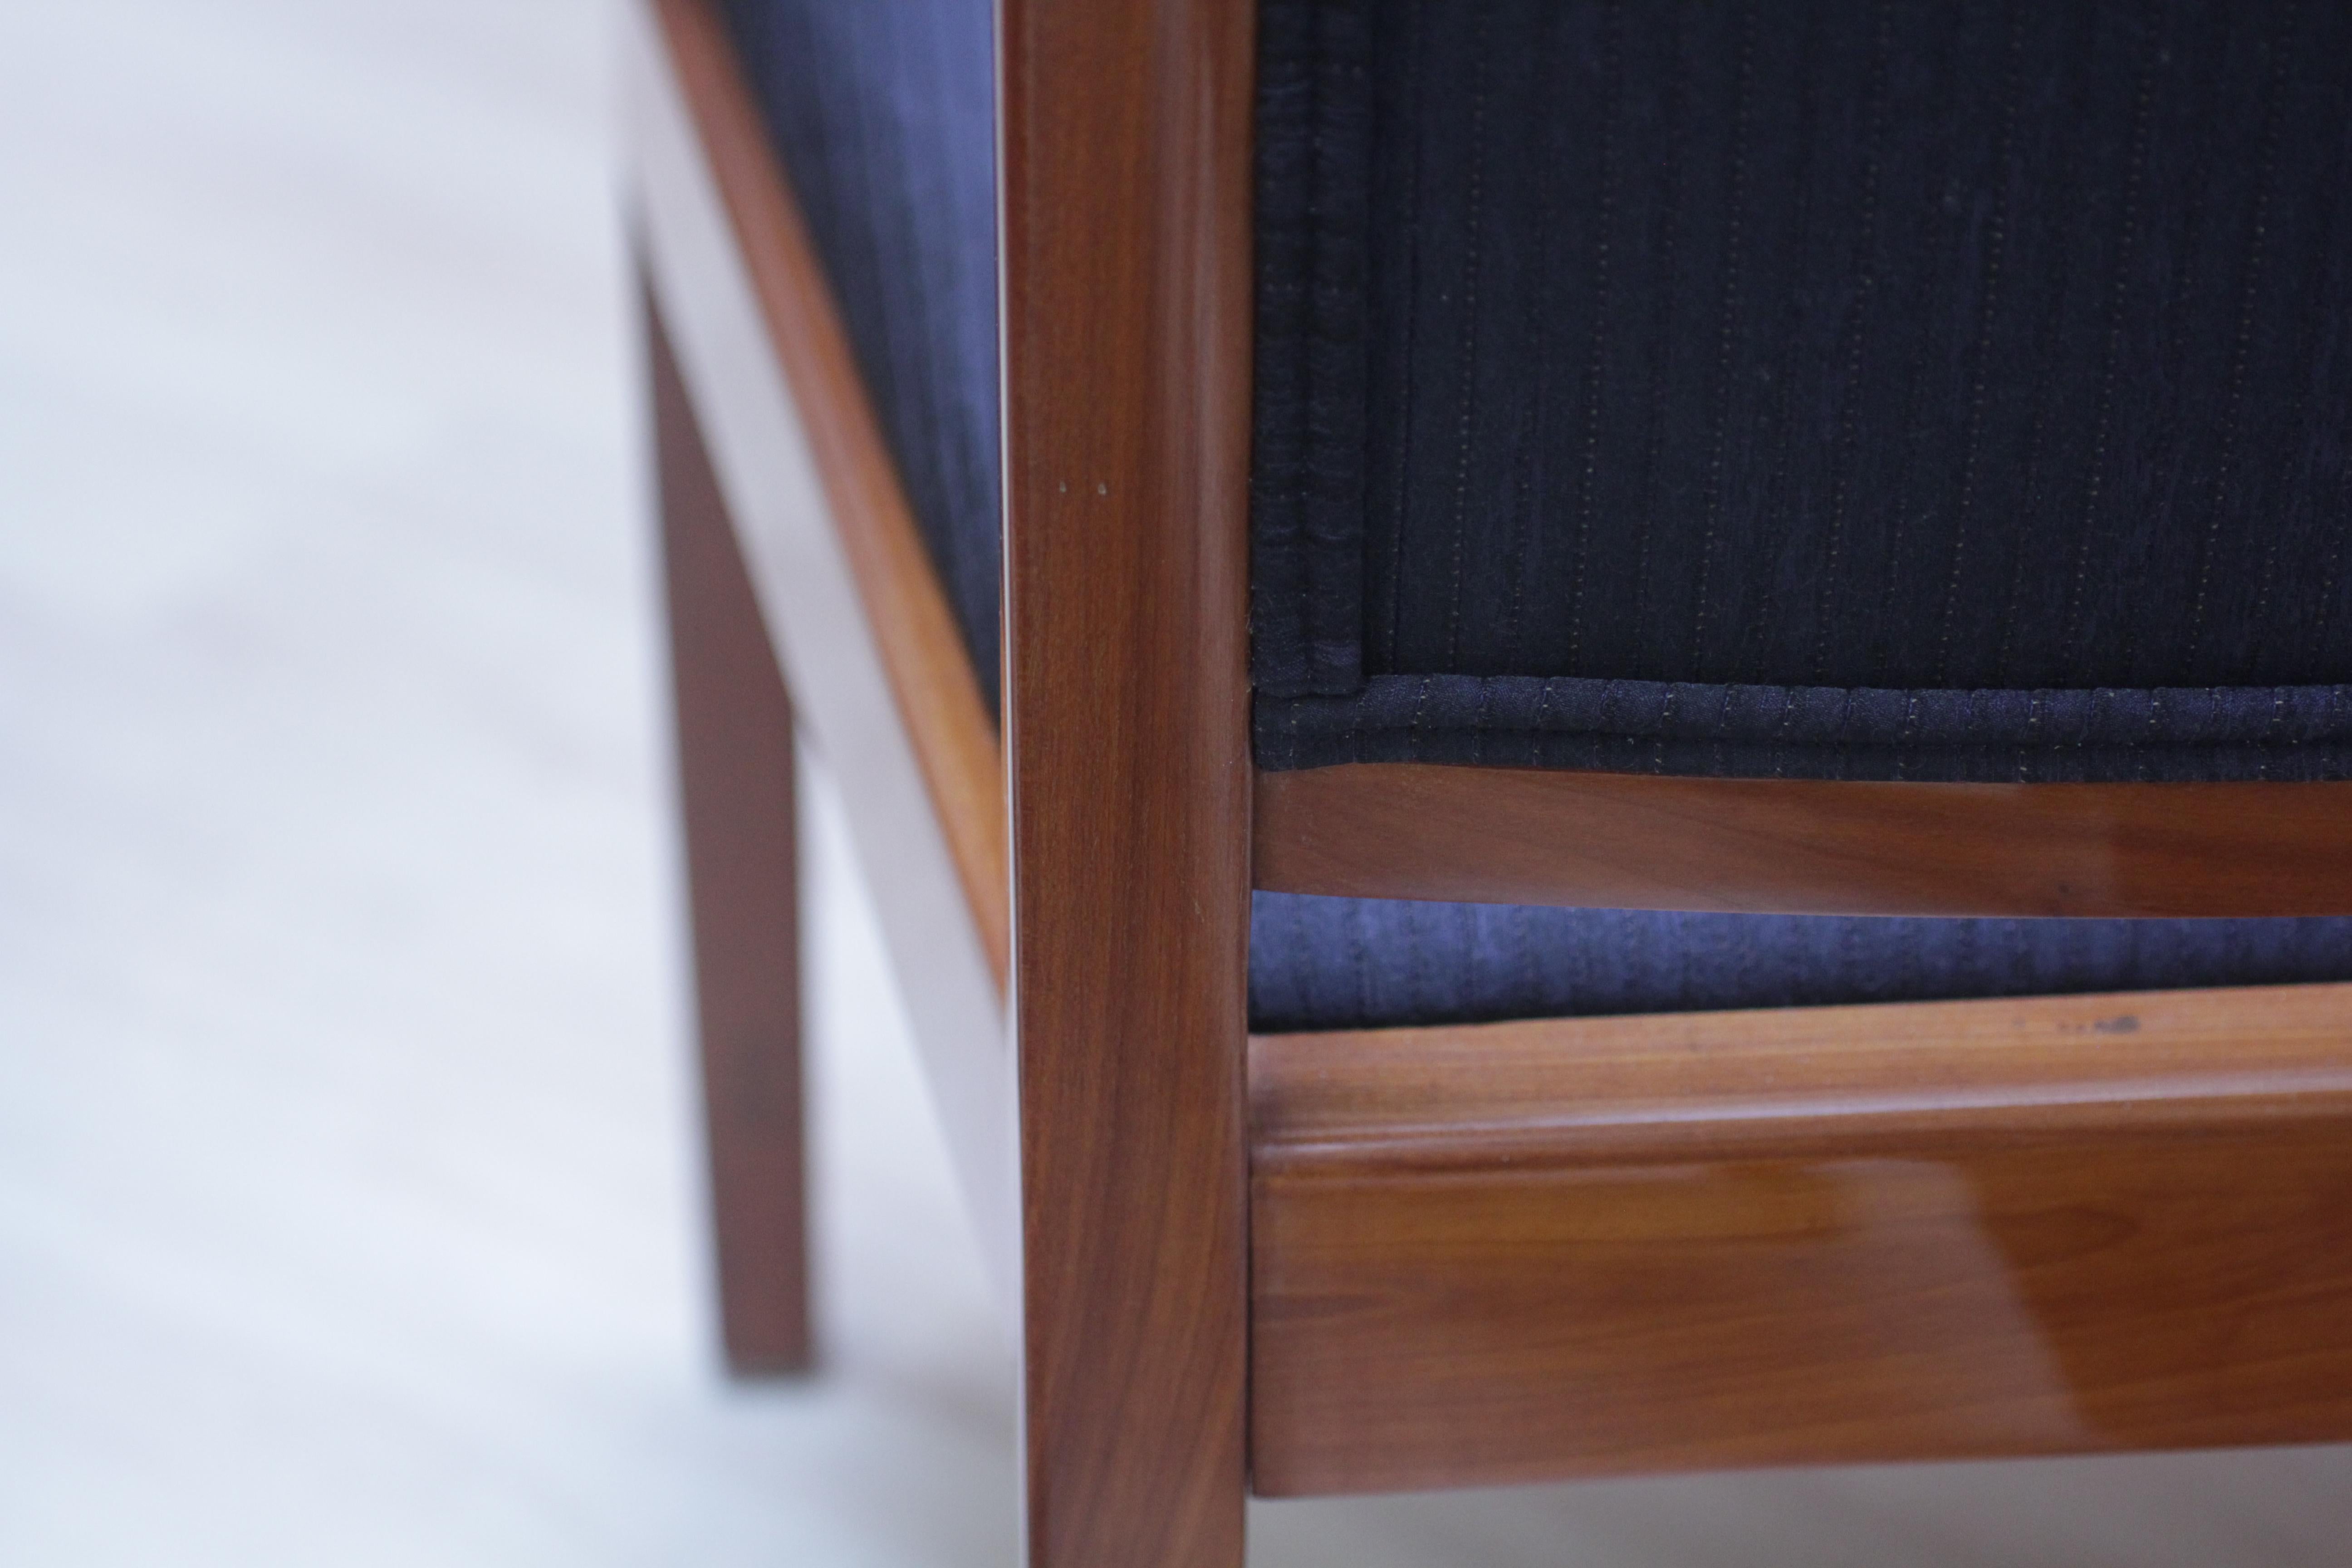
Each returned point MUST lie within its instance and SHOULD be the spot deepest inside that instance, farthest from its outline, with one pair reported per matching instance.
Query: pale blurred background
(350, 1205)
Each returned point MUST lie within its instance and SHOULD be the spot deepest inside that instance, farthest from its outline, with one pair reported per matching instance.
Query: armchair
(1668, 780)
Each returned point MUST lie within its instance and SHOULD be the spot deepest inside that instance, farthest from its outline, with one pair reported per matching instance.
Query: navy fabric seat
(1837, 389)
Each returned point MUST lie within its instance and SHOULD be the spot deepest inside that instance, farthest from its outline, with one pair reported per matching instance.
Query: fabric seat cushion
(1361, 963)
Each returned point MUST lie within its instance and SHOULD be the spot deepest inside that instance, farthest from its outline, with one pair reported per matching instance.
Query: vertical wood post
(1127, 311)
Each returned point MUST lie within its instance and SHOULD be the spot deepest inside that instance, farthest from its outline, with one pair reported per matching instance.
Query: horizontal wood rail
(1533, 1250)
(1520, 836)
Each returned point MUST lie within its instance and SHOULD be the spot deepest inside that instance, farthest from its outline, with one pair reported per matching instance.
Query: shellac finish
(1526, 1251)
(1524, 835)
(1127, 305)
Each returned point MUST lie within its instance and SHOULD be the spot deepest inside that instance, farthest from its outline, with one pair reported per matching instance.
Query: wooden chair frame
(1409, 1257)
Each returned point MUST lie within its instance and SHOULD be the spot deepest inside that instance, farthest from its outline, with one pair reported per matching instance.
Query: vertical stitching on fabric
(1467, 384)
(2062, 208)
(2315, 324)
(918, 304)
(1669, 238)
(1605, 205)
(2233, 402)
(1855, 341)
(2111, 353)
(1726, 328)
(1776, 505)
(1988, 301)
(1305, 326)
(1281, 578)
(1410, 294)
(1912, 430)
(2331, 576)
(1531, 417)
(2179, 311)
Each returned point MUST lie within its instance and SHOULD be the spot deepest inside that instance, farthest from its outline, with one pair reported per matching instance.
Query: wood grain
(938, 697)
(1519, 836)
(1127, 298)
(1546, 1249)
(734, 727)
(712, 221)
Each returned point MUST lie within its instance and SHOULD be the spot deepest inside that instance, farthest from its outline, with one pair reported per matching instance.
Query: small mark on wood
(2124, 1023)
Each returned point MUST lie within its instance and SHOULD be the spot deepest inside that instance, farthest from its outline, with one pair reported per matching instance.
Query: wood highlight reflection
(1526, 1251)
(1125, 134)
(1526, 836)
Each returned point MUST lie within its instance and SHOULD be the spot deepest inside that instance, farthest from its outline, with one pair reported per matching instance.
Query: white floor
(348, 1195)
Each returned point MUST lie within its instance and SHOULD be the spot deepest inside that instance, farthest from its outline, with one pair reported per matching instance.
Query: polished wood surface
(1545, 1250)
(1520, 836)
(1126, 206)
(931, 677)
(734, 729)
(879, 682)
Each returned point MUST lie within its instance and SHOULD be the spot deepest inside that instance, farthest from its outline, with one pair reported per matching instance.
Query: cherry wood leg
(735, 786)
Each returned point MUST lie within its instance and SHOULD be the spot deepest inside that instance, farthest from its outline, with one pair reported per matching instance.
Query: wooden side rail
(878, 676)
(930, 674)
(1519, 836)
(1526, 1251)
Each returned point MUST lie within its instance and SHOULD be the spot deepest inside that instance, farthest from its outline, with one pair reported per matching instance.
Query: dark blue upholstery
(883, 114)
(1333, 963)
(2278, 732)
(884, 117)
(1844, 349)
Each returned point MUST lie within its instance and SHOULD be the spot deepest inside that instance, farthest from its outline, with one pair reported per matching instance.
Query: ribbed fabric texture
(2210, 733)
(882, 114)
(1353, 963)
(885, 118)
(1859, 350)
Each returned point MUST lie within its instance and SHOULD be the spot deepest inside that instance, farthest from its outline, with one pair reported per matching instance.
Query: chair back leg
(734, 732)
